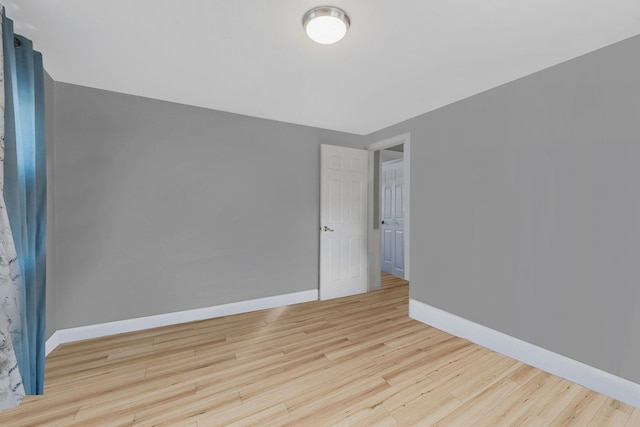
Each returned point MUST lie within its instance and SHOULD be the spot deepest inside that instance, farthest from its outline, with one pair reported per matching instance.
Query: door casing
(374, 237)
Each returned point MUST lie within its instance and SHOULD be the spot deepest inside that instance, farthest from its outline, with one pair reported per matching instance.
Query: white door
(343, 221)
(392, 215)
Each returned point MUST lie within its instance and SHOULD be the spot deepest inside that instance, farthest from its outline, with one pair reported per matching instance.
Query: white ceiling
(400, 58)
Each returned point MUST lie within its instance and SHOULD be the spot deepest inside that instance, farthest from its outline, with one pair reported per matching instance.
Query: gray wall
(50, 138)
(162, 207)
(525, 208)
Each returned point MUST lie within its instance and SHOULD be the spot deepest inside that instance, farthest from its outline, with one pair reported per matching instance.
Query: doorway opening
(389, 210)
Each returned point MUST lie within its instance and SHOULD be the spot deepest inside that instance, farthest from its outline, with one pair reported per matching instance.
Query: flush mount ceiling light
(326, 24)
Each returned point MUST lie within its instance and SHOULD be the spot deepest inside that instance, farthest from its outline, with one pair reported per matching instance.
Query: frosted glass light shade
(326, 24)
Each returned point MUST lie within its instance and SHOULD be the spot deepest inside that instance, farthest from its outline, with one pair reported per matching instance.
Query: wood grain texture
(354, 361)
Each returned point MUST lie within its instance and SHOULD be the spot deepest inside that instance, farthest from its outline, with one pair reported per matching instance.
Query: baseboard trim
(137, 324)
(593, 378)
(51, 343)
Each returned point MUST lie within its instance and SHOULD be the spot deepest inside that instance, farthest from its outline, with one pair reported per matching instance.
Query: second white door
(392, 216)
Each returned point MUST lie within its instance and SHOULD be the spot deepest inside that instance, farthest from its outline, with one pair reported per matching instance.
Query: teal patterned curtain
(22, 220)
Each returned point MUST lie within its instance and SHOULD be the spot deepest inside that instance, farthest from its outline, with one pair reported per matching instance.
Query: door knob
(383, 222)
(325, 228)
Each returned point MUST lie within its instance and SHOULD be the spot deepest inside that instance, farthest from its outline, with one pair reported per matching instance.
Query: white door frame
(374, 244)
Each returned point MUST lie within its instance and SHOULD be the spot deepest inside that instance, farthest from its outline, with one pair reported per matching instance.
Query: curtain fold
(24, 192)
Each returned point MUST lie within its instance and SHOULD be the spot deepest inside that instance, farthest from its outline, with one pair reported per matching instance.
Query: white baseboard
(130, 325)
(593, 378)
(51, 343)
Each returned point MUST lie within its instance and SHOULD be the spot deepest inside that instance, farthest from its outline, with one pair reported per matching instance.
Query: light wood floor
(351, 361)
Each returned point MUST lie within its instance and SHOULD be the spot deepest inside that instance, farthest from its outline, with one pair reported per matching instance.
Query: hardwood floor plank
(556, 400)
(511, 410)
(581, 409)
(634, 418)
(608, 415)
(480, 405)
(425, 409)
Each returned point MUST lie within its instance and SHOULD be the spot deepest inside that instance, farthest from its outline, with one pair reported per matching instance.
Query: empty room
(298, 213)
